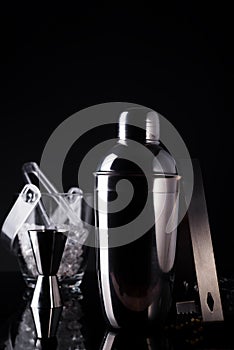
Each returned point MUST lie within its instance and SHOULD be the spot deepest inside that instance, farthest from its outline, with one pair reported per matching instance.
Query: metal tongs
(31, 168)
(30, 198)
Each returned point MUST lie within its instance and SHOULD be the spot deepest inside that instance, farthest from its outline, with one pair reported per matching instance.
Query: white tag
(24, 205)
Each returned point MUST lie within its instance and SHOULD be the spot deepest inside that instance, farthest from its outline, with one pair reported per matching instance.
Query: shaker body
(136, 243)
(136, 278)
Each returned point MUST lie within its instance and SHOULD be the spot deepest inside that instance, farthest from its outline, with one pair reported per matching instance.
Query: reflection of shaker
(131, 340)
(135, 254)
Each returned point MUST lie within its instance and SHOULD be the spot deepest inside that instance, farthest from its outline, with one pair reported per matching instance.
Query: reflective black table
(82, 325)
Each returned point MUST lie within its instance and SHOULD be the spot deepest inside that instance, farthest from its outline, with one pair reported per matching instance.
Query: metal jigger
(46, 305)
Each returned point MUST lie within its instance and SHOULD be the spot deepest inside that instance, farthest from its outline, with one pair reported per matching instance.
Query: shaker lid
(139, 123)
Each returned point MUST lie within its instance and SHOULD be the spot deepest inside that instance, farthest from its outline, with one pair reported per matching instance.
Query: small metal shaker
(48, 246)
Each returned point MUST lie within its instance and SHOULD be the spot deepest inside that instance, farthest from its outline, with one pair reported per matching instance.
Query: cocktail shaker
(136, 207)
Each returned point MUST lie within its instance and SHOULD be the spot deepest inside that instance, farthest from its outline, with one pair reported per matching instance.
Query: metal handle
(211, 306)
(24, 205)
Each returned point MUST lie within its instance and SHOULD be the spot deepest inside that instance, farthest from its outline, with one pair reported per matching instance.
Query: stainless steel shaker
(136, 204)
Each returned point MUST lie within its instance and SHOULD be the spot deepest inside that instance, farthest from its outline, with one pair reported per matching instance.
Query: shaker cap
(139, 123)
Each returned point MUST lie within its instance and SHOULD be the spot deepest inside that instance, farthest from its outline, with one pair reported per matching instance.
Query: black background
(179, 64)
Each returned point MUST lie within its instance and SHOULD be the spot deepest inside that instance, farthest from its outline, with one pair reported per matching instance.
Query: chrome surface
(46, 293)
(134, 340)
(144, 118)
(108, 341)
(136, 279)
(46, 305)
(47, 246)
(136, 202)
(203, 252)
(31, 168)
(46, 321)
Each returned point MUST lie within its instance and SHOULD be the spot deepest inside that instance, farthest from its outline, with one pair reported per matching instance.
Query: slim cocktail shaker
(136, 203)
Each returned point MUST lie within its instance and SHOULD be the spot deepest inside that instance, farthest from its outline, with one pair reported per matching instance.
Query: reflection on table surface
(22, 333)
(81, 325)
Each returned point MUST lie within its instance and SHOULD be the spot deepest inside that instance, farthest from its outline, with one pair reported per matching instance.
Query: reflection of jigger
(46, 305)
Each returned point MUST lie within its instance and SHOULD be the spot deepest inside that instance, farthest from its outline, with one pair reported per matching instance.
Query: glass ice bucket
(63, 211)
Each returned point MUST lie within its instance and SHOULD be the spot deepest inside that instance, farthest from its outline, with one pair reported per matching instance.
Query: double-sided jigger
(48, 246)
